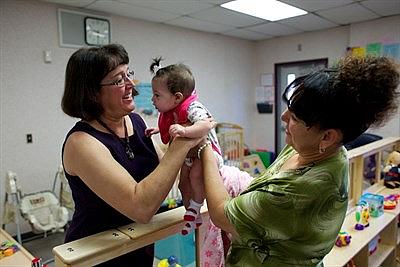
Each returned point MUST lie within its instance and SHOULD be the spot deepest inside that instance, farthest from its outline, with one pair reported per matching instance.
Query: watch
(97, 31)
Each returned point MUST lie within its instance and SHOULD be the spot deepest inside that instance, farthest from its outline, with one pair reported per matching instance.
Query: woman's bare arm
(89, 159)
(216, 193)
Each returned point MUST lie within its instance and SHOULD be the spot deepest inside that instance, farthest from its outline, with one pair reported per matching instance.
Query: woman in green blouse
(292, 213)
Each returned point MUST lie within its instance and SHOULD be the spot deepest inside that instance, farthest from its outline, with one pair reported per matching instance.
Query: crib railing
(107, 245)
(230, 137)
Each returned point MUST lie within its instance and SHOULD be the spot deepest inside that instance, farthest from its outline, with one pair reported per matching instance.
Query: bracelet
(202, 147)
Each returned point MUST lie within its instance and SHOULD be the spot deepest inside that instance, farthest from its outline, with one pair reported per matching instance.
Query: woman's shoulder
(331, 173)
(79, 126)
(336, 163)
(79, 138)
(83, 133)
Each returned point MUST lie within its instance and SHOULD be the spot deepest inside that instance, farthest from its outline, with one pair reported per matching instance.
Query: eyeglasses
(121, 82)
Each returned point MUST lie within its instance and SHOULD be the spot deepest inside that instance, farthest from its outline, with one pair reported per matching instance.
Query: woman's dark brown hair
(85, 70)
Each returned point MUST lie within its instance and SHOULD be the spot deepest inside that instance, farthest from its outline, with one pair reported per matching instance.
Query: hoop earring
(322, 150)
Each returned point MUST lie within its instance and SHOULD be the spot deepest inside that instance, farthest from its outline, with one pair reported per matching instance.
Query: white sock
(193, 211)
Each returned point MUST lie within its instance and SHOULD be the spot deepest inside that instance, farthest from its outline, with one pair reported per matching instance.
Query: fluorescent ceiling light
(266, 9)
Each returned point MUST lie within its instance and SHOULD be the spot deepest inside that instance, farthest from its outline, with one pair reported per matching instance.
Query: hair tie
(156, 68)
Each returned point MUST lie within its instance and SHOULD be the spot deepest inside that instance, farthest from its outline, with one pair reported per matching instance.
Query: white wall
(329, 44)
(386, 31)
(31, 90)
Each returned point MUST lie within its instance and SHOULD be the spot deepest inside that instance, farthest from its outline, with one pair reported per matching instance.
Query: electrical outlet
(29, 138)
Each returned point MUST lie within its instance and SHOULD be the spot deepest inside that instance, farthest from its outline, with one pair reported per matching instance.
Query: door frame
(278, 97)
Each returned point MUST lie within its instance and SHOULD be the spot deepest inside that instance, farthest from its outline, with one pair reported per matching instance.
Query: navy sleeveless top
(92, 214)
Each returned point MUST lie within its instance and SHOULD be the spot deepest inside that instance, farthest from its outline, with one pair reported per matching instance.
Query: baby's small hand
(176, 130)
(150, 131)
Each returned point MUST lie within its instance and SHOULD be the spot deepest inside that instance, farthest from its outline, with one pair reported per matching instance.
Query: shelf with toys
(378, 243)
(385, 226)
(12, 253)
(396, 211)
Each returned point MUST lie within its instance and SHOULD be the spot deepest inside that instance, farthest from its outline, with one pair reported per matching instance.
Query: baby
(182, 115)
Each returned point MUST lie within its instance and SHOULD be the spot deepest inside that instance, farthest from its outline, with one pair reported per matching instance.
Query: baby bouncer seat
(43, 211)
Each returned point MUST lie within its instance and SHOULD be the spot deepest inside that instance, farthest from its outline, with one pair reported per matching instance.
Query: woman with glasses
(292, 213)
(112, 168)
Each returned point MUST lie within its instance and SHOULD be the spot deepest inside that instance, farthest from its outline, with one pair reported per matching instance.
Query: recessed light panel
(266, 9)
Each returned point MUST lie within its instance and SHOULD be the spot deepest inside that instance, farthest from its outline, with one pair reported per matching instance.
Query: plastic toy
(389, 205)
(362, 215)
(392, 170)
(390, 201)
(171, 203)
(375, 203)
(8, 248)
(343, 239)
(253, 165)
(172, 261)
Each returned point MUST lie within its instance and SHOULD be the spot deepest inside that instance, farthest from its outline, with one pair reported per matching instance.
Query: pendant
(129, 152)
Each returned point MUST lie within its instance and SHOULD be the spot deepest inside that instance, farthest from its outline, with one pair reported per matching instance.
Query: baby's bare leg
(197, 181)
(192, 215)
(184, 185)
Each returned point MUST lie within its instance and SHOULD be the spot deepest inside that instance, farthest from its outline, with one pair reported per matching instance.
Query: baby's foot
(192, 211)
(188, 227)
(190, 215)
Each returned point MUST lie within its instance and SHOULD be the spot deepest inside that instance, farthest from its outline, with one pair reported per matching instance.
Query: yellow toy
(362, 215)
(172, 261)
(392, 170)
(343, 239)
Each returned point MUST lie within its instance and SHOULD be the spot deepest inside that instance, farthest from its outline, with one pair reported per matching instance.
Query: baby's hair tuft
(155, 64)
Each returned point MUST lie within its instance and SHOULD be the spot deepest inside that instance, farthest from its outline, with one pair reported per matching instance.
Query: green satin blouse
(292, 217)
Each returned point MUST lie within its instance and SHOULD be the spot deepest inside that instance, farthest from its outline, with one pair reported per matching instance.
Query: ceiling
(208, 16)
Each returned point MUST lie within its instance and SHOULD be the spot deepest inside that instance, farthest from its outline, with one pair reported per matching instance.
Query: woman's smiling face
(116, 96)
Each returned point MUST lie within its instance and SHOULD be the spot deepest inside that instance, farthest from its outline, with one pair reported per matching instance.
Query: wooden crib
(230, 137)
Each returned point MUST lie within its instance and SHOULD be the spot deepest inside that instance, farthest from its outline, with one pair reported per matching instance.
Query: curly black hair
(354, 95)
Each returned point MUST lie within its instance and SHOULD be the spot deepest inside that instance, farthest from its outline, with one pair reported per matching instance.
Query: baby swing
(41, 209)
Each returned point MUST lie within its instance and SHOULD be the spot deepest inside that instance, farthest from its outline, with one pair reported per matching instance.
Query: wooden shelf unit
(113, 243)
(386, 225)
